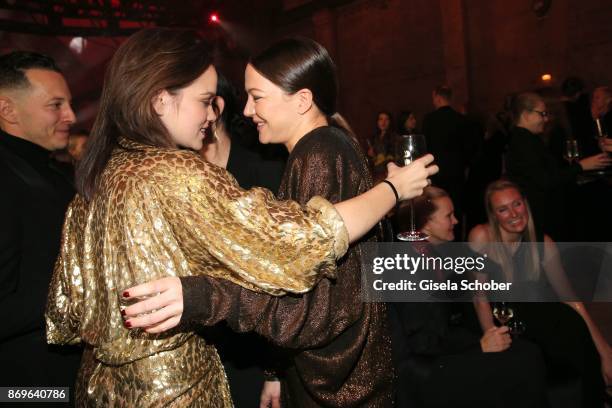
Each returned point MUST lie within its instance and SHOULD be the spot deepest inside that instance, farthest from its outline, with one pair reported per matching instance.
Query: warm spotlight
(546, 77)
(214, 18)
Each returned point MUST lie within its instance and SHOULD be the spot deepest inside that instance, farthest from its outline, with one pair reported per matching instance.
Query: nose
(512, 213)
(454, 220)
(249, 110)
(69, 116)
(211, 115)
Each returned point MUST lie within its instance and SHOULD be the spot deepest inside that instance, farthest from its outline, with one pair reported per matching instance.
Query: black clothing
(543, 179)
(454, 141)
(560, 333)
(245, 355)
(569, 353)
(36, 194)
(250, 170)
(341, 345)
(438, 358)
(582, 125)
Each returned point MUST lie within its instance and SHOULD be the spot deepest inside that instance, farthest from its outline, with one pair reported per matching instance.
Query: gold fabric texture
(166, 212)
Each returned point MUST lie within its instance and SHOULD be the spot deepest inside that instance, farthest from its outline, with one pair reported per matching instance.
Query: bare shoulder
(479, 234)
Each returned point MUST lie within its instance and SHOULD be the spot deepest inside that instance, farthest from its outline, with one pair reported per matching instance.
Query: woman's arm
(478, 239)
(65, 297)
(484, 313)
(361, 213)
(557, 278)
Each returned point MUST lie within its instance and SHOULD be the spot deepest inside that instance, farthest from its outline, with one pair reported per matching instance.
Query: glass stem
(412, 226)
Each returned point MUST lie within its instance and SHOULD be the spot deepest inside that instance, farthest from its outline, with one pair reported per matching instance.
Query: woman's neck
(511, 237)
(307, 127)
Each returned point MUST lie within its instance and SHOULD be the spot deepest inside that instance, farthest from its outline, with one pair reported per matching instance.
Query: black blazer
(453, 141)
(35, 195)
(541, 176)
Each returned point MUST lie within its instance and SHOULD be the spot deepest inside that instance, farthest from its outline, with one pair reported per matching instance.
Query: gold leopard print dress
(166, 212)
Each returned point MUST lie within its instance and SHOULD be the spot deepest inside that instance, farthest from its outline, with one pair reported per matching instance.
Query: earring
(214, 132)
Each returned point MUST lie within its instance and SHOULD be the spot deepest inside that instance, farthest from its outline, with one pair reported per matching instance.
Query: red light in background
(214, 18)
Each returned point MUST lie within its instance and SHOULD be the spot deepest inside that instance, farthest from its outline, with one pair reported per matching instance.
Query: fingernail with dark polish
(126, 294)
(128, 325)
(122, 312)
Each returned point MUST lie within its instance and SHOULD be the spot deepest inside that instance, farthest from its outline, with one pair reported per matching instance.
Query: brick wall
(391, 53)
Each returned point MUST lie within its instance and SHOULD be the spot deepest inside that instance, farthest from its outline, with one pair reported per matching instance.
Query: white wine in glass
(502, 312)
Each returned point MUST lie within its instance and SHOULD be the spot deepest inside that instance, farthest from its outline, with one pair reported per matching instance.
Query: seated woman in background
(149, 207)
(439, 362)
(564, 331)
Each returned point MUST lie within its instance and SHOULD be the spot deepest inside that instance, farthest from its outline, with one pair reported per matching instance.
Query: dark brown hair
(147, 63)
(13, 67)
(301, 63)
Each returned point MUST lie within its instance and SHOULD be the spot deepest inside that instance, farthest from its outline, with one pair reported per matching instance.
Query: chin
(263, 139)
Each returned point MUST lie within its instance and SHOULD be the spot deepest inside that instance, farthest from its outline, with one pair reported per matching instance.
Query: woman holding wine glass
(438, 356)
(564, 331)
(531, 164)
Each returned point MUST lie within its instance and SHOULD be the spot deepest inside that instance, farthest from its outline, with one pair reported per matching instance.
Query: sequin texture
(166, 212)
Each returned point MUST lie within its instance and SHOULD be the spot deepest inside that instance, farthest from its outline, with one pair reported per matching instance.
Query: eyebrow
(208, 94)
(254, 89)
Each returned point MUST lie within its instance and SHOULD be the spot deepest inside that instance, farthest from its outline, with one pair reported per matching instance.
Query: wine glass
(601, 136)
(516, 327)
(571, 150)
(410, 148)
(502, 312)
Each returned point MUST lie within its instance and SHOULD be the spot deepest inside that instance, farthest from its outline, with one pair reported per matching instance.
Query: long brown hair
(147, 63)
(301, 63)
(529, 235)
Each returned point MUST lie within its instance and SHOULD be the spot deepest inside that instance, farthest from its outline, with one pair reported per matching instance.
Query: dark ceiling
(90, 18)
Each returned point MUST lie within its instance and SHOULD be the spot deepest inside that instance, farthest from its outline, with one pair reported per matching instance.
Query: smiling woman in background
(564, 331)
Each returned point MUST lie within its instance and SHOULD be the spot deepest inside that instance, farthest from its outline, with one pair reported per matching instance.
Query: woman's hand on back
(161, 311)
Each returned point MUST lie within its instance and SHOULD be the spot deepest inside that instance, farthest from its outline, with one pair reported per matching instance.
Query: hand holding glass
(410, 148)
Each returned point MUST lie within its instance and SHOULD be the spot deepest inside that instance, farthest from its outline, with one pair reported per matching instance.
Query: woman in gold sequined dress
(149, 207)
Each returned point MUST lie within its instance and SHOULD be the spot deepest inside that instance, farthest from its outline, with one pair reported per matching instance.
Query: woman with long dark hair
(149, 206)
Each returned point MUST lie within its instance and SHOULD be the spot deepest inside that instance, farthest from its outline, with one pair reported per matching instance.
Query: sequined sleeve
(249, 237)
(65, 298)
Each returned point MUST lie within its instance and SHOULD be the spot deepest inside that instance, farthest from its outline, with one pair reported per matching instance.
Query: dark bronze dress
(342, 347)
